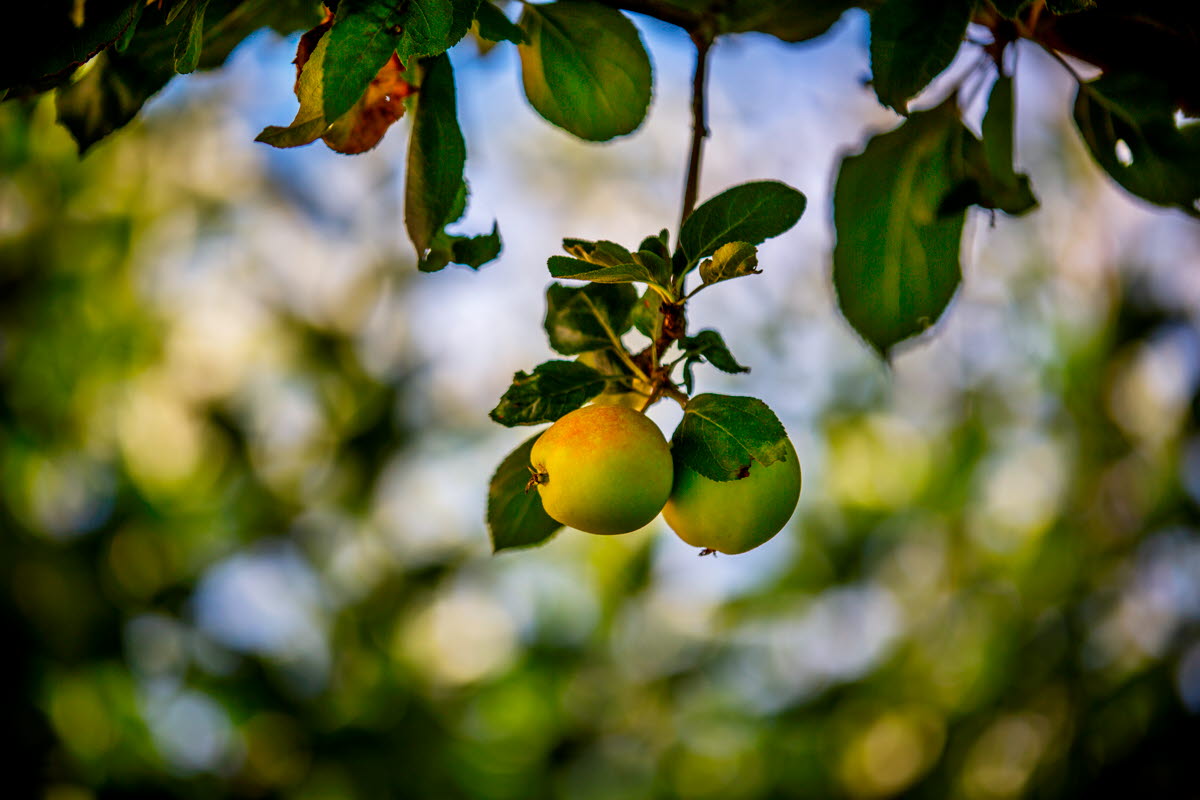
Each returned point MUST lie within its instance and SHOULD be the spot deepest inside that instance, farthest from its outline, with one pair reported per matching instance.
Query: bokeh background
(244, 451)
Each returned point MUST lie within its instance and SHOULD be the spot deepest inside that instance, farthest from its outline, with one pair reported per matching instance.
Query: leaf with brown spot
(308, 43)
(363, 126)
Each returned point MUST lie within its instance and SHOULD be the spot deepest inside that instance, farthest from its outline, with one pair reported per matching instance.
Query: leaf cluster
(720, 437)
(899, 205)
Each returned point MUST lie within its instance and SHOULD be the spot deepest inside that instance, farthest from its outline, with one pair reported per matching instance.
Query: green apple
(738, 515)
(602, 469)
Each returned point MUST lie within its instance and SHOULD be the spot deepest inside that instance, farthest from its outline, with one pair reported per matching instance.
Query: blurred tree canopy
(235, 560)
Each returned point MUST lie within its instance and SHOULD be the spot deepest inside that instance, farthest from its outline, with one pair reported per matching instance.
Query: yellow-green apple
(603, 469)
(738, 515)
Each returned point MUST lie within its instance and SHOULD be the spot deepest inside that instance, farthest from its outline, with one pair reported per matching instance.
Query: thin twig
(699, 125)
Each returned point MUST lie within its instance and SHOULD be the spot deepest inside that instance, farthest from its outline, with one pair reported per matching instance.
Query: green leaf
(432, 26)
(365, 33)
(177, 8)
(1128, 124)
(116, 84)
(659, 245)
(576, 270)
(191, 40)
(991, 164)
(998, 125)
(723, 436)
(515, 516)
(126, 36)
(106, 98)
(470, 251)
(707, 345)
(658, 266)
(732, 260)
(789, 20)
(584, 68)
(47, 45)
(309, 122)
(437, 156)
(495, 27)
(751, 213)
(553, 388)
(602, 253)
(987, 177)
(363, 37)
(580, 319)
(646, 315)
(912, 42)
(895, 264)
(285, 17)
(475, 251)
(434, 189)
(463, 16)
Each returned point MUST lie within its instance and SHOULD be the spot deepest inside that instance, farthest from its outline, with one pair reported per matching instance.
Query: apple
(602, 469)
(734, 516)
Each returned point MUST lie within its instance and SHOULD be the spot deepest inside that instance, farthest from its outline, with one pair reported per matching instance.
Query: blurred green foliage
(203, 593)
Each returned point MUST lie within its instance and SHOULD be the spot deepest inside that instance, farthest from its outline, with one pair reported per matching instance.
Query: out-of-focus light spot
(1022, 494)
(160, 437)
(952, 650)
(836, 637)
(361, 559)
(552, 602)
(1152, 384)
(1123, 153)
(660, 636)
(427, 507)
(878, 462)
(213, 343)
(267, 602)
(917, 567)
(15, 213)
(1003, 758)
(1162, 591)
(68, 496)
(460, 637)
(81, 718)
(192, 732)
(521, 712)
(891, 752)
(289, 431)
